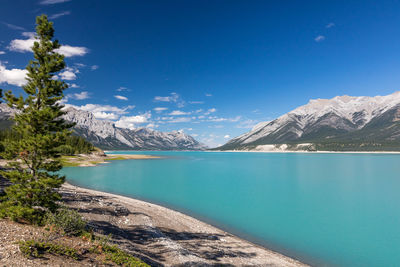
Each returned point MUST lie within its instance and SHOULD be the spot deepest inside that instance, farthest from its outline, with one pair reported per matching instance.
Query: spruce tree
(35, 157)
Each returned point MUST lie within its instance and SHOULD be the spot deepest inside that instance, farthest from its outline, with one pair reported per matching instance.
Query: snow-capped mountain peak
(321, 118)
(106, 135)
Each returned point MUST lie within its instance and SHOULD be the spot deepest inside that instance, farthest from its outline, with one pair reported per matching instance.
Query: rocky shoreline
(164, 237)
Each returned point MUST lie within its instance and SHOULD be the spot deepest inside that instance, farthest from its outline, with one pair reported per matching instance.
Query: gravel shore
(164, 237)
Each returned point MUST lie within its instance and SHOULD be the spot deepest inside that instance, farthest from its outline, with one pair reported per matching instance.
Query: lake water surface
(324, 209)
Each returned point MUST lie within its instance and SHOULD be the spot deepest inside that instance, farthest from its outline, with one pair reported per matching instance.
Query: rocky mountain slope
(340, 123)
(106, 135)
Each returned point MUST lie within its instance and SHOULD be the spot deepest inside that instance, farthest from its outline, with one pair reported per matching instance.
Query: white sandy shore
(176, 239)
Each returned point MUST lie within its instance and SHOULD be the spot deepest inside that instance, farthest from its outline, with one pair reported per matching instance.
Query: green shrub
(66, 220)
(114, 254)
(21, 213)
(33, 248)
(120, 257)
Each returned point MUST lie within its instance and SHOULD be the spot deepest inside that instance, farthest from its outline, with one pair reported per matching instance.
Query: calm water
(324, 209)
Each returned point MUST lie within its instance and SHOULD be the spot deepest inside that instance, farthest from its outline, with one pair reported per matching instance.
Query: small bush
(21, 213)
(114, 254)
(68, 221)
(33, 248)
(120, 257)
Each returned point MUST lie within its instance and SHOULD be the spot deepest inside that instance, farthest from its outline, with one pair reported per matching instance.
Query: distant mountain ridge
(340, 123)
(106, 135)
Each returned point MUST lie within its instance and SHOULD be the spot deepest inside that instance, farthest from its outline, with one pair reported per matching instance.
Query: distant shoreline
(311, 152)
(257, 151)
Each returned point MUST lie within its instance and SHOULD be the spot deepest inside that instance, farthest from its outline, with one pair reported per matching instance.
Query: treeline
(73, 145)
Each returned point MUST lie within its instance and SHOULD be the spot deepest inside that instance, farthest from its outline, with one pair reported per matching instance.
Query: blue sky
(211, 68)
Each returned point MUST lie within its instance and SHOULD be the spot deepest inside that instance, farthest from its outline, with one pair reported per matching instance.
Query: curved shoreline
(181, 239)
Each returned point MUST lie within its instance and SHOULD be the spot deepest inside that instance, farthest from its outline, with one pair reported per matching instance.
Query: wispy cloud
(2, 52)
(208, 95)
(160, 109)
(319, 38)
(58, 15)
(174, 97)
(196, 102)
(221, 119)
(227, 136)
(94, 67)
(14, 27)
(79, 96)
(180, 120)
(179, 113)
(330, 25)
(122, 89)
(52, 2)
(211, 110)
(121, 97)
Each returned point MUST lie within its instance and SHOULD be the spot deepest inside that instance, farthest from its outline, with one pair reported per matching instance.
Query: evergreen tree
(35, 155)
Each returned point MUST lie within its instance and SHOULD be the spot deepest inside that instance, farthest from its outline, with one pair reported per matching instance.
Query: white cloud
(19, 45)
(68, 75)
(51, 2)
(330, 25)
(208, 95)
(12, 76)
(122, 88)
(218, 119)
(196, 102)
(227, 136)
(180, 119)
(105, 116)
(25, 45)
(29, 34)
(71, 51)
(151, 125)
(211, 110)
(319, 38)
(174, 97)
(56, 16)
(79, 96)
(73, 85)
(102, 111)
(160, 109)
(121, 97)
(2, 52)
(94, 67)
(179, 113)
(130, 122)
(104, 108)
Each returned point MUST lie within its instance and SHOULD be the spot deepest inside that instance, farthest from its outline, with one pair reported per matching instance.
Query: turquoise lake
(323, 209)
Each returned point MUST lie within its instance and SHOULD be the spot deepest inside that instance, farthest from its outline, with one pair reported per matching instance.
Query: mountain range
(341, 123)
(104, 134)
